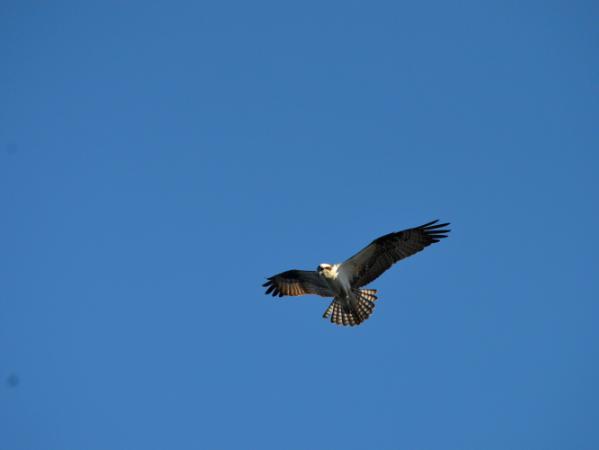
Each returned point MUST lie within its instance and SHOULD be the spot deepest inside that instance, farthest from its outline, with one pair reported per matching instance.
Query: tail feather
(329, 310)
(369, 294)
(357, 311)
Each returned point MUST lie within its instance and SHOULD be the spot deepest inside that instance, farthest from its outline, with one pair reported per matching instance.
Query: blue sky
(159, 159)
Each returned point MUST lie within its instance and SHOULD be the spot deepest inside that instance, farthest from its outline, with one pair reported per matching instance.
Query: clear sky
(158, 160)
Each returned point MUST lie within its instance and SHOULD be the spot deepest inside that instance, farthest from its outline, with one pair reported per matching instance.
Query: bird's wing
(297, 282)
(374, 259)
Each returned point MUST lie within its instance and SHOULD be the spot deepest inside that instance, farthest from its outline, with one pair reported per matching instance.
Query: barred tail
(369, 294)
(353, 312)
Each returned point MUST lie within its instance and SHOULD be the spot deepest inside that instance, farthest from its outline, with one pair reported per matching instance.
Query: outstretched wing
(370, 262)
(297, 282)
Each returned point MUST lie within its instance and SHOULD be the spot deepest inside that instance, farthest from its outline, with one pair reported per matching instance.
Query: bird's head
(325, 270)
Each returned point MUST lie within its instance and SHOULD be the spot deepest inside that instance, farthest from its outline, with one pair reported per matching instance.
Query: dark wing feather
(370, 262)
(297, 282)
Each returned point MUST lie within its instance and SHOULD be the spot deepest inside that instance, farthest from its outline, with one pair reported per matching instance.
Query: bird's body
(351, 304)
(337, 280)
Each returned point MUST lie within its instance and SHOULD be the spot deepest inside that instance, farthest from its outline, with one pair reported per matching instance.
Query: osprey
(351, 304)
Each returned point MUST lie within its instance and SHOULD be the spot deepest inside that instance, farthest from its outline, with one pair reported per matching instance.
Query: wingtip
(435, 227)
(428, 224)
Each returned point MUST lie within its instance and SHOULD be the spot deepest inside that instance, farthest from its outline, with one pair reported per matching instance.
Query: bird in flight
(351, 304)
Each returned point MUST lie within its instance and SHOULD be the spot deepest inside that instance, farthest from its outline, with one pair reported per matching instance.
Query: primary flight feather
(351, 304)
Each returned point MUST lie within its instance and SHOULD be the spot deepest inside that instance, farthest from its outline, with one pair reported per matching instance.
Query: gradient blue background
(159, 159)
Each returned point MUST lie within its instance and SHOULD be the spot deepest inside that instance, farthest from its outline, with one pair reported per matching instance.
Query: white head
(326, 270)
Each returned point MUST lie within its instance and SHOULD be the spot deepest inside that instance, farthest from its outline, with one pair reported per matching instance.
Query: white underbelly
(340, 285)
